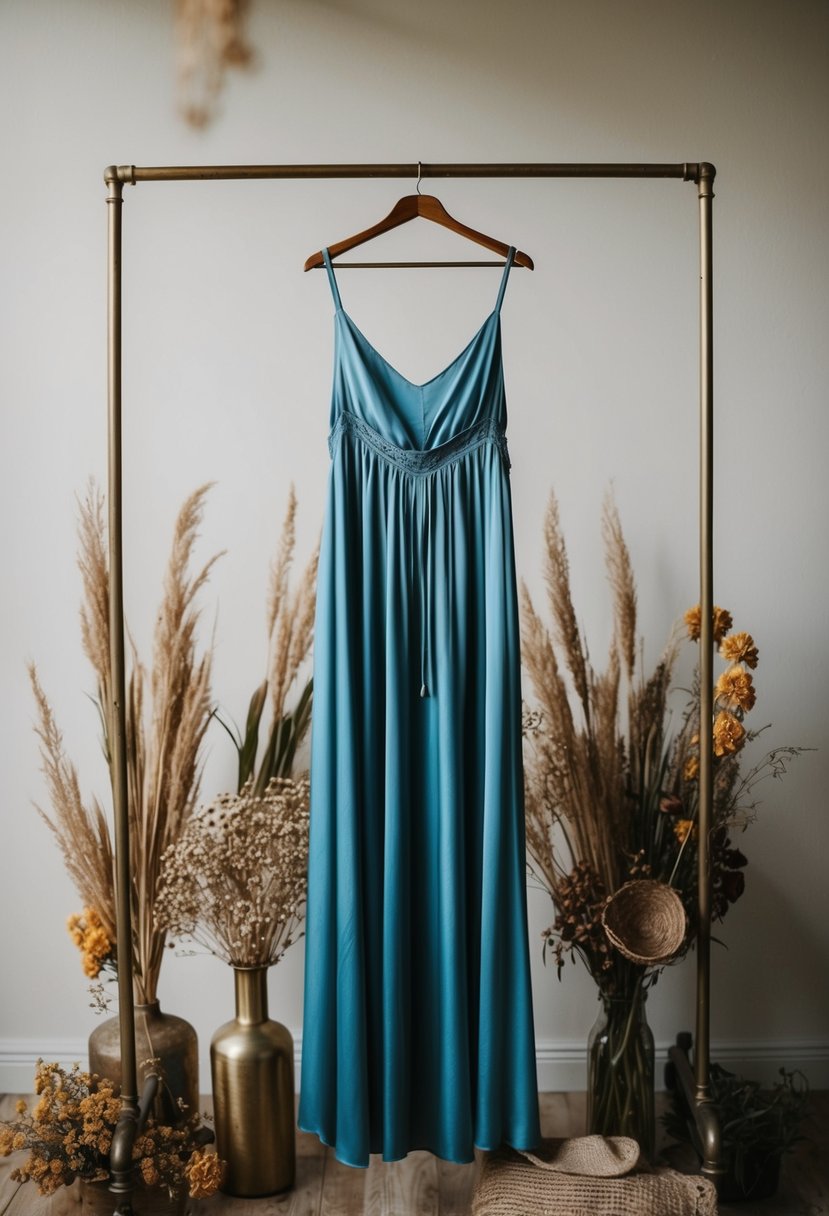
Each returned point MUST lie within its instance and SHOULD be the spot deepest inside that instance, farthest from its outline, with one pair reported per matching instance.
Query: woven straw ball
(645, 921)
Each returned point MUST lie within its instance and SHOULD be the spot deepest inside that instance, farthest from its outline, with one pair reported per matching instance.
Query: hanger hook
(418, 177)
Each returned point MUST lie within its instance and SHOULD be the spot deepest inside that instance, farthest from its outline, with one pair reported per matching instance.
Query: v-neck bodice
(371, 398)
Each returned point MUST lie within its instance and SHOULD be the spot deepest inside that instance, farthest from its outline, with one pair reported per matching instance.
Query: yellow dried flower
(70, 1133)
(691, 770)
(740, 648)
(20, 1106)
(149, 1172)
(729, 734)
(89, 935)
(73, 924)
(97, 942)
(91, 966)
(204, 1172)
(735, 689)
(721, 621)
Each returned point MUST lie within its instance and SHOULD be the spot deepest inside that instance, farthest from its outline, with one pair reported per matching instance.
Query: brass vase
(161, 1036)
(252, 1066)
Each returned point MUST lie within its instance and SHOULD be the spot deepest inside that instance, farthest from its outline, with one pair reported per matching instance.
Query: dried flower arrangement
(612, 799)
(163, 761)
(290, 631)
(69, 1133)
(236, 880)
(609, 800)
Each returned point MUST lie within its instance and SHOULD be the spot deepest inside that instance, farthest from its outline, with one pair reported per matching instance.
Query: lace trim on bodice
(411, 460)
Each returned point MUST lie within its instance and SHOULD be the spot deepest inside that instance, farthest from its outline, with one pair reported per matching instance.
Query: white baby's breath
(236, 880)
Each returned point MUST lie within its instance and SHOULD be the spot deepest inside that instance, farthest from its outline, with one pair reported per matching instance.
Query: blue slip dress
(418, 1021)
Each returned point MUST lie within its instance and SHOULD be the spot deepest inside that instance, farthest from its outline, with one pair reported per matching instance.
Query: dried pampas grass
(163, 755)
(586, 759)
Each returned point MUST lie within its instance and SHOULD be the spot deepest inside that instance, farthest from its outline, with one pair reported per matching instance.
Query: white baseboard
(561, 1064)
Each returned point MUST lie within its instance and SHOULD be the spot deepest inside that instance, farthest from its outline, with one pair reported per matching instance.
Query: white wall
(227, 376)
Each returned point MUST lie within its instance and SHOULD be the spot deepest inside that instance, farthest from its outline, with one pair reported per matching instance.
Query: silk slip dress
(418, 1020)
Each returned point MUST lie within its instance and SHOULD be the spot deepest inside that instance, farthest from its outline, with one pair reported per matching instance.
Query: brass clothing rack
(693, 1082)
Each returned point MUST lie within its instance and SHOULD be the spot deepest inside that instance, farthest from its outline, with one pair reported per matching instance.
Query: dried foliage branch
(163, 761)
(289, 620)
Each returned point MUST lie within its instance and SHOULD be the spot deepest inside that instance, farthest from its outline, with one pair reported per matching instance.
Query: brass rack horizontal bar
(133, 174)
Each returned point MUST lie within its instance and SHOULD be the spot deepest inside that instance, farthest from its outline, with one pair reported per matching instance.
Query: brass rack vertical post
(696, 1086)
(117, 727)
(121, 1164)
(706, 641)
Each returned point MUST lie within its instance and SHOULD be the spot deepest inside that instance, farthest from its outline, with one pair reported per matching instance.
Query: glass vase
(252, 1066)
(620, 1070)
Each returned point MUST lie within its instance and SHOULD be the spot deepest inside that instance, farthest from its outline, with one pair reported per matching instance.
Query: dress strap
(503, 287)
(335, 291)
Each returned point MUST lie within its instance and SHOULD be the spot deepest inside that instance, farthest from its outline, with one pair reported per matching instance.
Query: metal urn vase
(158, 1036)
(252, 1066)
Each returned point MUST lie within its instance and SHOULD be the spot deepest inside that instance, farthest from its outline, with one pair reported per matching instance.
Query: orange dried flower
(691, 770)
(73, 925)
(91, 966)
(204, 1172)
(721, 621)
(69, 1135)
(89, 935)
(149, 1173)
(735, 689)
(740, 648)
(729, 734)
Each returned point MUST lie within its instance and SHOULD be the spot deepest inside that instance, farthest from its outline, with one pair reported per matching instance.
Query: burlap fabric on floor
(586, 1176)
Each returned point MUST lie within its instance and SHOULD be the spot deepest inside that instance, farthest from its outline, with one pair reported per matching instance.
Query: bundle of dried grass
(163, 757)
(584, 764)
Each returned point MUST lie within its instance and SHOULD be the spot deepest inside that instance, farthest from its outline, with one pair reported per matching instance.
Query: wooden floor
(423, 1185)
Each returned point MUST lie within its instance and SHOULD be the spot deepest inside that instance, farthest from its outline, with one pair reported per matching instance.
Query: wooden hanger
(428, 208)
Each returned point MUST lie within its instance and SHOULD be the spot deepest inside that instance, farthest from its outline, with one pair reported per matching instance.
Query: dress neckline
(438, 375)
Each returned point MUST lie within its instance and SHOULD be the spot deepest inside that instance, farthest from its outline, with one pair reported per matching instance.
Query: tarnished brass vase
(161, 1036)
(252, 1065)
